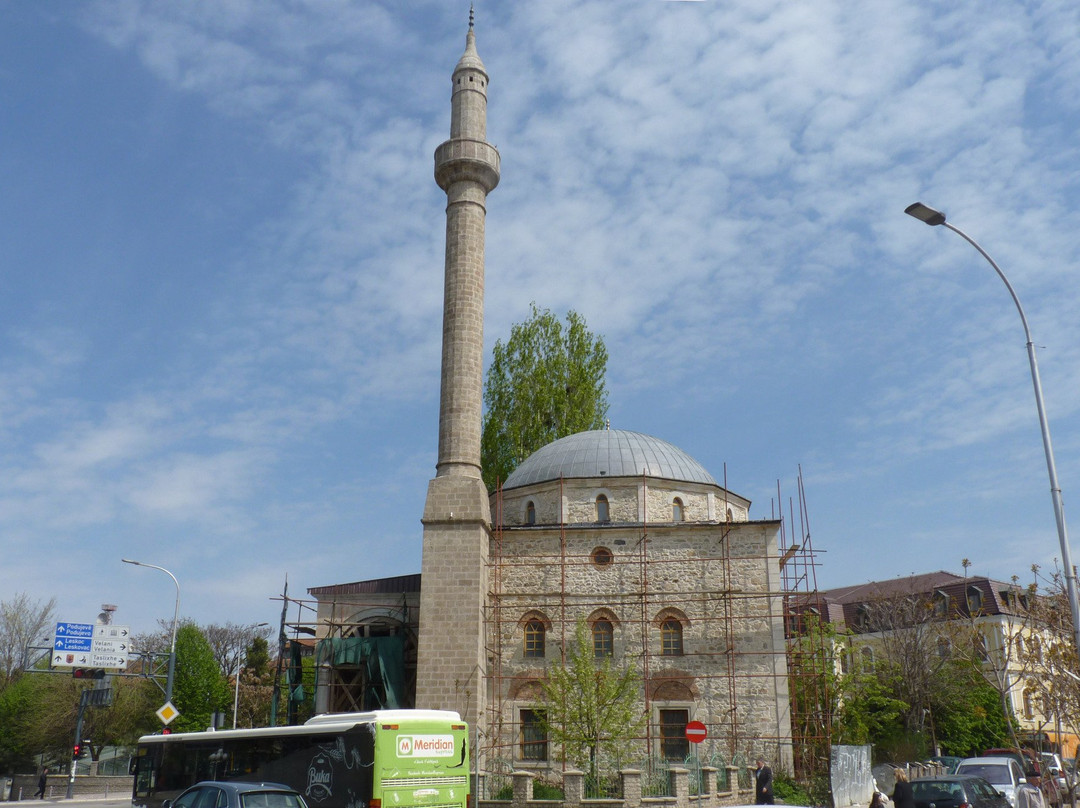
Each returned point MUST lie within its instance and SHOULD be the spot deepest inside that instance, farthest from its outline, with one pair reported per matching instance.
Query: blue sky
(222, 248)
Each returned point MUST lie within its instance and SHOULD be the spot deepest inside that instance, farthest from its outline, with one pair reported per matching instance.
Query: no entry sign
(696, 732)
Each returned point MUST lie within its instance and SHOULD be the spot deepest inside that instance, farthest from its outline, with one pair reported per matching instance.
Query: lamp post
(236, 693)
(933, 218)
(176, 619)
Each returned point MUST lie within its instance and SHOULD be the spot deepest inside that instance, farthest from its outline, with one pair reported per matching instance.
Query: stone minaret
(451, 663)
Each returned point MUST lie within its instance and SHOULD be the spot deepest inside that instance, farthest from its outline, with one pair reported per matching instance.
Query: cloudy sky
(222, 253)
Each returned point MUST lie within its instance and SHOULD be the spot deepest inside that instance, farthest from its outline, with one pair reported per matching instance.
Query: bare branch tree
(23, 622)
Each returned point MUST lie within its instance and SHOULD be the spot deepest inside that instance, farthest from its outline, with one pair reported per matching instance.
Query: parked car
(1053, 767)
(956, 791)
(234, 794)
(1005, 775)
(1029, 762)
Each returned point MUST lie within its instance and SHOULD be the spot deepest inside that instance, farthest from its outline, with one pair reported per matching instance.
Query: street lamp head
(925, 214)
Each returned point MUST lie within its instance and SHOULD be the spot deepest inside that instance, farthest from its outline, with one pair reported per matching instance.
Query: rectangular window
(533, 738)
(673, 743)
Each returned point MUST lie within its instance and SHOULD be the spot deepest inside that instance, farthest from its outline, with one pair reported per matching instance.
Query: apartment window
(671, 638)
(534, 742)
(603, 638)
(603, 514)
(534, 638)
(941, 605)
(974, 600)
(677, 510)
(530, 514)
(1029, 704)
(673, 743)
(943, 648)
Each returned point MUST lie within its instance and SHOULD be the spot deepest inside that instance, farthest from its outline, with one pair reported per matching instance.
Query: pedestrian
(42, 780)
(763, 793)
(903, 796)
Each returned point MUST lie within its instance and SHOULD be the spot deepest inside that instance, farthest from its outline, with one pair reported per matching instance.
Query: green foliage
(199, 689)
(590, 709)
(257, 658)
(967, 712)
(787, 791)
(544, 383)
(871, 711)
(20, 701)
(542, 790)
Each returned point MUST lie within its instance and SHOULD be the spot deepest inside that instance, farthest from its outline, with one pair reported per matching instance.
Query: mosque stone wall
(719, 580)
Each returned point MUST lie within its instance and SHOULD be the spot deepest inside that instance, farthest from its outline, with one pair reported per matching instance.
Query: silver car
(1006, 776)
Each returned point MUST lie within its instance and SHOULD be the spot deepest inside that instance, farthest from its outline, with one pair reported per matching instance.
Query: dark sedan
(233, 794)
(956, 791)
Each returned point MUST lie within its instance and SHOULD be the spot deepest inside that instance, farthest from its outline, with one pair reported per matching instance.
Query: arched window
(534, 638)
(677, 510)
(530, 513)
(603, 636)
(671, 638)
(602, 512)
(867, 658)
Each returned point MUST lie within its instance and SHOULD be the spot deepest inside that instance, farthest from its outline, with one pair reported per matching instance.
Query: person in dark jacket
(903, 796)
(41, 783)
(763, 793)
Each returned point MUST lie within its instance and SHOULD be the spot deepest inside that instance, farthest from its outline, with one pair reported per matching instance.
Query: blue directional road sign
(73, 637)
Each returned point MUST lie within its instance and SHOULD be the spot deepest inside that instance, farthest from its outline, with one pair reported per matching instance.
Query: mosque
(616, 529)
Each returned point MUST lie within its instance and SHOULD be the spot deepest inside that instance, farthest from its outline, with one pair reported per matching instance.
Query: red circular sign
(696, 732)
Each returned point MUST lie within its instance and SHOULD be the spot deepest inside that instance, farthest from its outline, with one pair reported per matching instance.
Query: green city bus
(397, 758)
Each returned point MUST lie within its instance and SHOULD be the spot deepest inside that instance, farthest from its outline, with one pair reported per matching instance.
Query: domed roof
(608, 453)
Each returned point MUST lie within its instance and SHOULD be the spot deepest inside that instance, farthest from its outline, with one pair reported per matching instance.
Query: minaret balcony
(467, 160)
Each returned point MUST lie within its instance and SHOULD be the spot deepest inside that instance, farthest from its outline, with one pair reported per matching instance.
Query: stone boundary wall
(574, 791)
(23, 786)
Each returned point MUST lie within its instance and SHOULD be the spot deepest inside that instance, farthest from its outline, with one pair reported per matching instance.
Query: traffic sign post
(85, 645)
(696, 732)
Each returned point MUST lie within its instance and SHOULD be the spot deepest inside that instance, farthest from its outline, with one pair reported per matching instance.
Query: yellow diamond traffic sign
(167, 712)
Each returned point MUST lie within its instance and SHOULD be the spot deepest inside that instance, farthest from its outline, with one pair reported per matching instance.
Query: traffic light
(78, 748)
(88, 673)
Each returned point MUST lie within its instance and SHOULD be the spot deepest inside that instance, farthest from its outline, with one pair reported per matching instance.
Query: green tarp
(383, 658)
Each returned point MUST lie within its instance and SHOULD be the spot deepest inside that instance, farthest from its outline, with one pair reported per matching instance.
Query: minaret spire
(451, 660)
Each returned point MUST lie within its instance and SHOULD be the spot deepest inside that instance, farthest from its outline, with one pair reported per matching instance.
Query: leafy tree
(967, 711)
(19, 706)
(544, 383)
(590, 708)
(199, 689)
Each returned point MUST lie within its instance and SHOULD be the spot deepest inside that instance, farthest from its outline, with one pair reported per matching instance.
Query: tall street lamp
(176, 619)
(236, 693)
(933, 218)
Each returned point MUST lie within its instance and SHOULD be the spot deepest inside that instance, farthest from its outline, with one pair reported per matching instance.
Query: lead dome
(608, 453)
